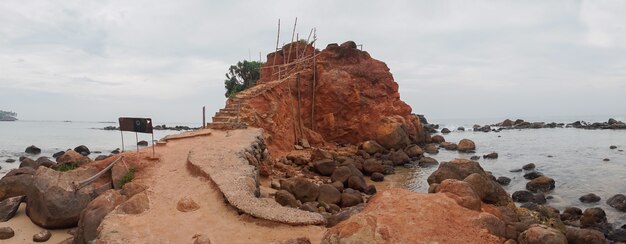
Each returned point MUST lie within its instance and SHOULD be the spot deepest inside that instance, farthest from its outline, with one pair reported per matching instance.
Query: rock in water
(540, 184)
(466, 145)
(83, 150)
(445, 130)
(529, 166)
(142, 143)
(618, 202)
(6, 233)
(493, 155)
(438, 139)
(32, 149)
(584, 236)
(52, 201)
(540, 234)
(593, 217)
(589, 198)
(9, 206)
(72, 157)
(42, 236)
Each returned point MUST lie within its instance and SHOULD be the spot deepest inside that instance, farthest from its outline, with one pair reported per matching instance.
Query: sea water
(572, 157)
(54, 136)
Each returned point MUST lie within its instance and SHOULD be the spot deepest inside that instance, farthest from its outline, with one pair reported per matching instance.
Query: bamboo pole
(276, 50)
(299, 111)
(314, 83)
(293, 34)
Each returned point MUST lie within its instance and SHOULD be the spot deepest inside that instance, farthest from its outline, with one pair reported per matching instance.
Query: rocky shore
(159, 127)
(520, 124)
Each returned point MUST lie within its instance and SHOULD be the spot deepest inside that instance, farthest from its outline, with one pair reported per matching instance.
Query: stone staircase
(227, 118)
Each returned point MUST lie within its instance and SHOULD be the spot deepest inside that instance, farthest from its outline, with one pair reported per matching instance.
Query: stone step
(224, 119)
(227, 111)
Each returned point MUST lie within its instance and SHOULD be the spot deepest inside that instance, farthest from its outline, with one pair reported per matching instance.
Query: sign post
(137, 125)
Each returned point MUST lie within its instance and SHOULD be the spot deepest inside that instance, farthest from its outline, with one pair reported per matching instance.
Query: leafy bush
(67, 167)
(128, 177)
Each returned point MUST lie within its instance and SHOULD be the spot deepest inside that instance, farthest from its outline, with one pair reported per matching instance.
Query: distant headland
(8, 116)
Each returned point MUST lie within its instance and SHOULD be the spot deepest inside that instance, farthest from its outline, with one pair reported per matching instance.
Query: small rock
(431, 149)
(304, 190)
(116, 151)
(101, 157)
(357, 183)
(618, 235)
(445, 130)
(515, 170)
(437, 139)
(522, 196)
(83, 150)
(618, 202)
(493, 155)
(589, 198)
(142, 143)
(285, 198)
(613, 147)
(350, 199)
(529, 166)
(310, 206)
(42, 236)
(58, 154)
(606, 160)
(461, 128)
(6, 233)
(275, 184)
(583, 236)
(377, 177)
(372, 147)
(9, 206)
(32, 149)
(201, 239)
(329, 194)
(414, 151)
(187, 204)
(325, 166)
(539, 198)
(475, 157)
(502, 180)
(571, 214)
(371, 190)
(427, 161)
(593, 217)
(466, 145)
(371, 166)
(10, 160)
(542, 234)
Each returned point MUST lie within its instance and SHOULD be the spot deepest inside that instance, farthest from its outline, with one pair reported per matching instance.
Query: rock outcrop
(388, 215)
(356, 99)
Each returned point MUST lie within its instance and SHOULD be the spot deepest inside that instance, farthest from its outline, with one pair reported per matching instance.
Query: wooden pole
(276, 50)
(299, 113)
(203, 117)
(313, 89)
(293, 34)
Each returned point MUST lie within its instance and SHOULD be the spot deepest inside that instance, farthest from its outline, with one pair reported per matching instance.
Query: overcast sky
(98, 60)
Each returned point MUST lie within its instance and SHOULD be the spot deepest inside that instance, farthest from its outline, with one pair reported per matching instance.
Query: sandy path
(169, 181)
(25, 229)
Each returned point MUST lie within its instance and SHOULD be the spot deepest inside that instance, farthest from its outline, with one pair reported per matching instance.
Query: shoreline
(25, 229)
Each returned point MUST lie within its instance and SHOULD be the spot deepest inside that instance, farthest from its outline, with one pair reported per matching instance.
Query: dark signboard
(141, 125)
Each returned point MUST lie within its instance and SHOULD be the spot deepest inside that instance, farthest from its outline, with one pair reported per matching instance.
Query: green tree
(241, 76)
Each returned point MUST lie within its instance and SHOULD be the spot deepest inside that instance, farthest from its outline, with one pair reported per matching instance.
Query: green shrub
(67, 167)
(128, 177)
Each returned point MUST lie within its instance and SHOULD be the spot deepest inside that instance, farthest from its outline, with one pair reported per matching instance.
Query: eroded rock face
(387, 215)
(356, 100)
(53, 202)
(16, 182)
(8, 207)
(72, 157)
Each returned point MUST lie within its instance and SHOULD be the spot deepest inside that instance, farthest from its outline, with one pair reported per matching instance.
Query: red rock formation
(356, 99)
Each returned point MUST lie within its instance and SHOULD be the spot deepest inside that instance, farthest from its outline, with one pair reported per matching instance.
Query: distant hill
(8, 116)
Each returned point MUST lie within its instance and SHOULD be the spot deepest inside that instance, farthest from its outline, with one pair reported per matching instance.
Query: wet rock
(445, 130)
(475, 157)
(522, 196)
(502, 180)
(431, 149)
(32, 149)
(329, 194)
(589, 198)
(515, 170)
(325, 166)
(372, 147)
(493, 155)
(16, 183)
(82, 150)
(27, 162)
(52, 200)
(116, 151)
(606, 160)
(377, 177)
(506, 123)
(532, 175)
(6, 233)
(541, 184)
(414, 151)
(466, 145)
(585, 236)
(449, 146)
(304, 190)
(618, 202)
(142, 143)
(94, 213)
(427, 161)
(613, 147)
(388, 170)
(285, 198)
(539, 198)
(72, 157)
(618, 235)
(350, 199)
(455, 169)
(399, 157)
(10, 160)
(437, 139)
(529, 166)
(461, 128)
(593, 217)
(371, 190)
(371, 166)
(42, 236)
(9, 206)
(540, 234)
(571, 214)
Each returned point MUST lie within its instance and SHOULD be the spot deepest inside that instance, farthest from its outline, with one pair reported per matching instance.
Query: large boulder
(399, 157)
(466, 145)
(325, 166)
(456, 169)
(53, 201)
(392, 134)
(618, 202)
(462, 192)
(341, 174)
(371, 166)
(94, 213)
(593, 217)
(9, 206)
(414, 151)
(438, 139)
(16, 182)
(30, 163)
(72, 157)
(388, 215)
(540, 234)
(329, 194)
(540, 184)
(82, 150)
(585, 236)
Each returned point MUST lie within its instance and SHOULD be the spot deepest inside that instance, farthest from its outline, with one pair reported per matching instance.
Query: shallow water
(54, 136)
(572, 157)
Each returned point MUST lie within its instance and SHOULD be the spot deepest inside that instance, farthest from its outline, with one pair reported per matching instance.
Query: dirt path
(170, 180)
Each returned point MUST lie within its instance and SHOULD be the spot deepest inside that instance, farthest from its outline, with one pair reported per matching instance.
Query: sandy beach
(25, 229)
